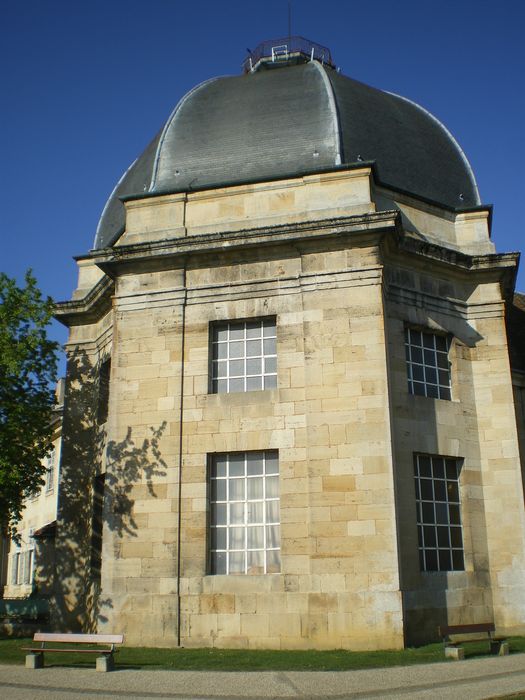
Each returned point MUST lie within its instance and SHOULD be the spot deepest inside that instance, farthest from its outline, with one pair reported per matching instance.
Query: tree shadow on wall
(96, 484)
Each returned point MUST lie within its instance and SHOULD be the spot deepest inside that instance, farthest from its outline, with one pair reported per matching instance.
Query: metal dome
(301, 118)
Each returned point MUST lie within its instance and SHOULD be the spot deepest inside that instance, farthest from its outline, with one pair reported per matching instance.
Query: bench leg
(499, 648)
(456, 653)
(105, 663)
(34, 660)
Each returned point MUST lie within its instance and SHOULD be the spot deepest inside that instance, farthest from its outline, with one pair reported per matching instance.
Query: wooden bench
(105, 659)
(455, 636)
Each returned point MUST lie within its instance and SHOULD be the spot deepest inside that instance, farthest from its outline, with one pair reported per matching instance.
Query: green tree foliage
(28, 365)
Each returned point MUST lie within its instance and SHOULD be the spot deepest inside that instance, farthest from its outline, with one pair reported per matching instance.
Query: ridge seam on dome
(450, 136)
(168, 124)
(333, 109)
(109, 200)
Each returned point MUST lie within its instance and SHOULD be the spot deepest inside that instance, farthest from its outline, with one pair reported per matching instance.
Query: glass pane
(237, 537)
(443, 377)
(432, 391)
(441, 343)
(253, 347)
(272, 486)
(270, 346)
(431, 562)
(221, 333)
(457, 560)
(270, 381)
(417, 373)
(445, 560)
(236, 513)
(442, 361)
(272, 463)
(426, 489)
(429, 533)
(431, 375)
(452, 470)
(237, 464)
(221, 386)
(272, 511)
(456, 540)
(218, 538)
(255, 563)
(417, 355)
(443, 538)
(444, 393)
(418, 493)
(440, 490)
(424, 466)
(218, 489)
(270, 365)
(236, 331)
(272, 536)
(428, 340)
(218, 513)
(253, 383)
(420, 535)
(255, 511)
(255, 488)
(236, 489)
(454, 515)
(253, 329)
(269, 328)
(220, 351)
(453, 491)
(236, 368)
(415, 337)
(442, 513)
(273, 561)
(236, 560)
(219, 465)
(427, 512)
(236, 349)
(218, 562)
(255, 537)
(255, 463)
(236, 385)
(254, 366)
(438, 468)
(429, 357)
(220, 368)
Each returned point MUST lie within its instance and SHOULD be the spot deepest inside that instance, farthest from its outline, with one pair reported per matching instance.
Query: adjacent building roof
(291, 121)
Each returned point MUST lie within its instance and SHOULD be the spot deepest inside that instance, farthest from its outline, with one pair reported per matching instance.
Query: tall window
(428, 366)
(244, 513)
(50, 474)
(244, 356)
(438, 513)
(15, 569)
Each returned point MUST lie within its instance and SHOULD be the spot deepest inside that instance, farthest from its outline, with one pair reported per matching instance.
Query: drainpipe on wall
(181, 409)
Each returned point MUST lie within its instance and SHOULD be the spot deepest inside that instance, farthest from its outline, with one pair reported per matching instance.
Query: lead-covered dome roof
(287, 122)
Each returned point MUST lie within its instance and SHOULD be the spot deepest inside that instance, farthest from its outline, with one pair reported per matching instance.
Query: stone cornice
(90, 308)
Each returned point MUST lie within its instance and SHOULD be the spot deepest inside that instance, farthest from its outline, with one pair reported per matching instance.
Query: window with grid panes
(244, 356)
(244, 513)
(50, 473)
(438, 513)
(428, 366)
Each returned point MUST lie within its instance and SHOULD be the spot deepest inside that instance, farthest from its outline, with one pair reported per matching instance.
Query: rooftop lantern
(286, 51)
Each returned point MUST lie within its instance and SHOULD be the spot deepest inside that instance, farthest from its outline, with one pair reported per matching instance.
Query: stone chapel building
(289, 417)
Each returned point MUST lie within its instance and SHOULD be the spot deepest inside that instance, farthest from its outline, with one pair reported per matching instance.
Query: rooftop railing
(286, 49)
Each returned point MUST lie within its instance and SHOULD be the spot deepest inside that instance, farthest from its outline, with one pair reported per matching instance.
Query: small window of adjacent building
(428, 366)
(438, 513)
(244, 356)
(244, 513)
(15, 569)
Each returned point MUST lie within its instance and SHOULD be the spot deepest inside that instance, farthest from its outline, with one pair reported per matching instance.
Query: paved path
(468, 680)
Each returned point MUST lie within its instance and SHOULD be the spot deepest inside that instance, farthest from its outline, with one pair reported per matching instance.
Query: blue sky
(86, 85)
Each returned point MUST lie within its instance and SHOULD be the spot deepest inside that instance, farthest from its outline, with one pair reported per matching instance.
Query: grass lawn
(252, 660)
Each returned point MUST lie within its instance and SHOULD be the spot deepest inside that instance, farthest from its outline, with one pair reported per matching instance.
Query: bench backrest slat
(79, 638)
(466, 629)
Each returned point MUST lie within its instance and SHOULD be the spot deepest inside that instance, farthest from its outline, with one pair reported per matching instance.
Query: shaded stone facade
(351, 274)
